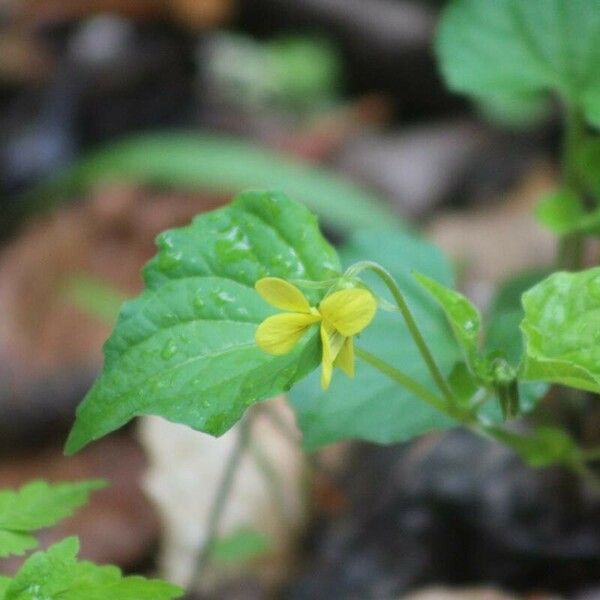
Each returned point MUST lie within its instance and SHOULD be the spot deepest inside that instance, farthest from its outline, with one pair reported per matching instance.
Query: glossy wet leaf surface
(562, 330)
(185, 349)
(464, 318)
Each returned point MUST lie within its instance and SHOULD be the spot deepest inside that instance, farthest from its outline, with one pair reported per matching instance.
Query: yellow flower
(342, 315)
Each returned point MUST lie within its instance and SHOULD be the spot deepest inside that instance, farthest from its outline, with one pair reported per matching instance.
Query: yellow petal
(282, 294)
(332, 343)
(349, 311)
(280, 333)
(345, 359)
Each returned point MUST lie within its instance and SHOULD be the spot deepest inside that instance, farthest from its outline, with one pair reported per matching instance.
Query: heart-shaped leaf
(517, 51)
(185, 349)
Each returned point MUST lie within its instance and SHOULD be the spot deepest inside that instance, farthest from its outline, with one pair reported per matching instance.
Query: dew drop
(221, 297)
(169, 350)
(198, 300)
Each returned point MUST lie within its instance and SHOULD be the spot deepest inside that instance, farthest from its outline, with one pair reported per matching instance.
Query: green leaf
(507, 297)
(221, 165)
(371, 406)
(15, 543)
(561, 328)
(35, 506)
(514, 111)
(545, 446)
(504, 338)
(463, 317)
(242, 546)
(4, 583)
(95, 297)
(562, 213)
(185, 349)
(518, 50)
(56, 574)
(464, 385)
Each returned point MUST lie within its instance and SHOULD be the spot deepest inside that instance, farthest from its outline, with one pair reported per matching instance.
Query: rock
(590, 594)
(452, 509)
(462, 594)
(186, 468)
(119, 525)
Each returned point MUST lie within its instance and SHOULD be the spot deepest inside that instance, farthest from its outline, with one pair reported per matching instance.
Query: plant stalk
(221, 499)
(403, 379)
(571, 250)
(411, 324)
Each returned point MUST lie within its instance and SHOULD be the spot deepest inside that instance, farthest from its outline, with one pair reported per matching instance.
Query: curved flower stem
(413, 328)
(571, 247)
(221, 500)
(402, 378)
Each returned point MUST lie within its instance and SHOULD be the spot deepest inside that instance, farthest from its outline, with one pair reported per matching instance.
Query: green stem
(411, 324)
(571, 248)
(221, 500)
(402, 378)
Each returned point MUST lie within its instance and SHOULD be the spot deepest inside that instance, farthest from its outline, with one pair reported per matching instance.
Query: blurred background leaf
(222, 165)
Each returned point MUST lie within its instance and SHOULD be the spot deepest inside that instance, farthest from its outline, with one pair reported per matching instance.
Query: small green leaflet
(371, 406)
(4, 583)
(463, 317)
(516, 51)
(562, 330)
(56, 574)
(185, 348)
(95, 297)
(502, 340)
(562, 213)
(543, 447)
(35, 506)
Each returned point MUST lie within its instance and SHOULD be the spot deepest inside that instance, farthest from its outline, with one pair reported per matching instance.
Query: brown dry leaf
(268, 494)
(43, 335)
(195, 14)
(23, 58)
(202, 14)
